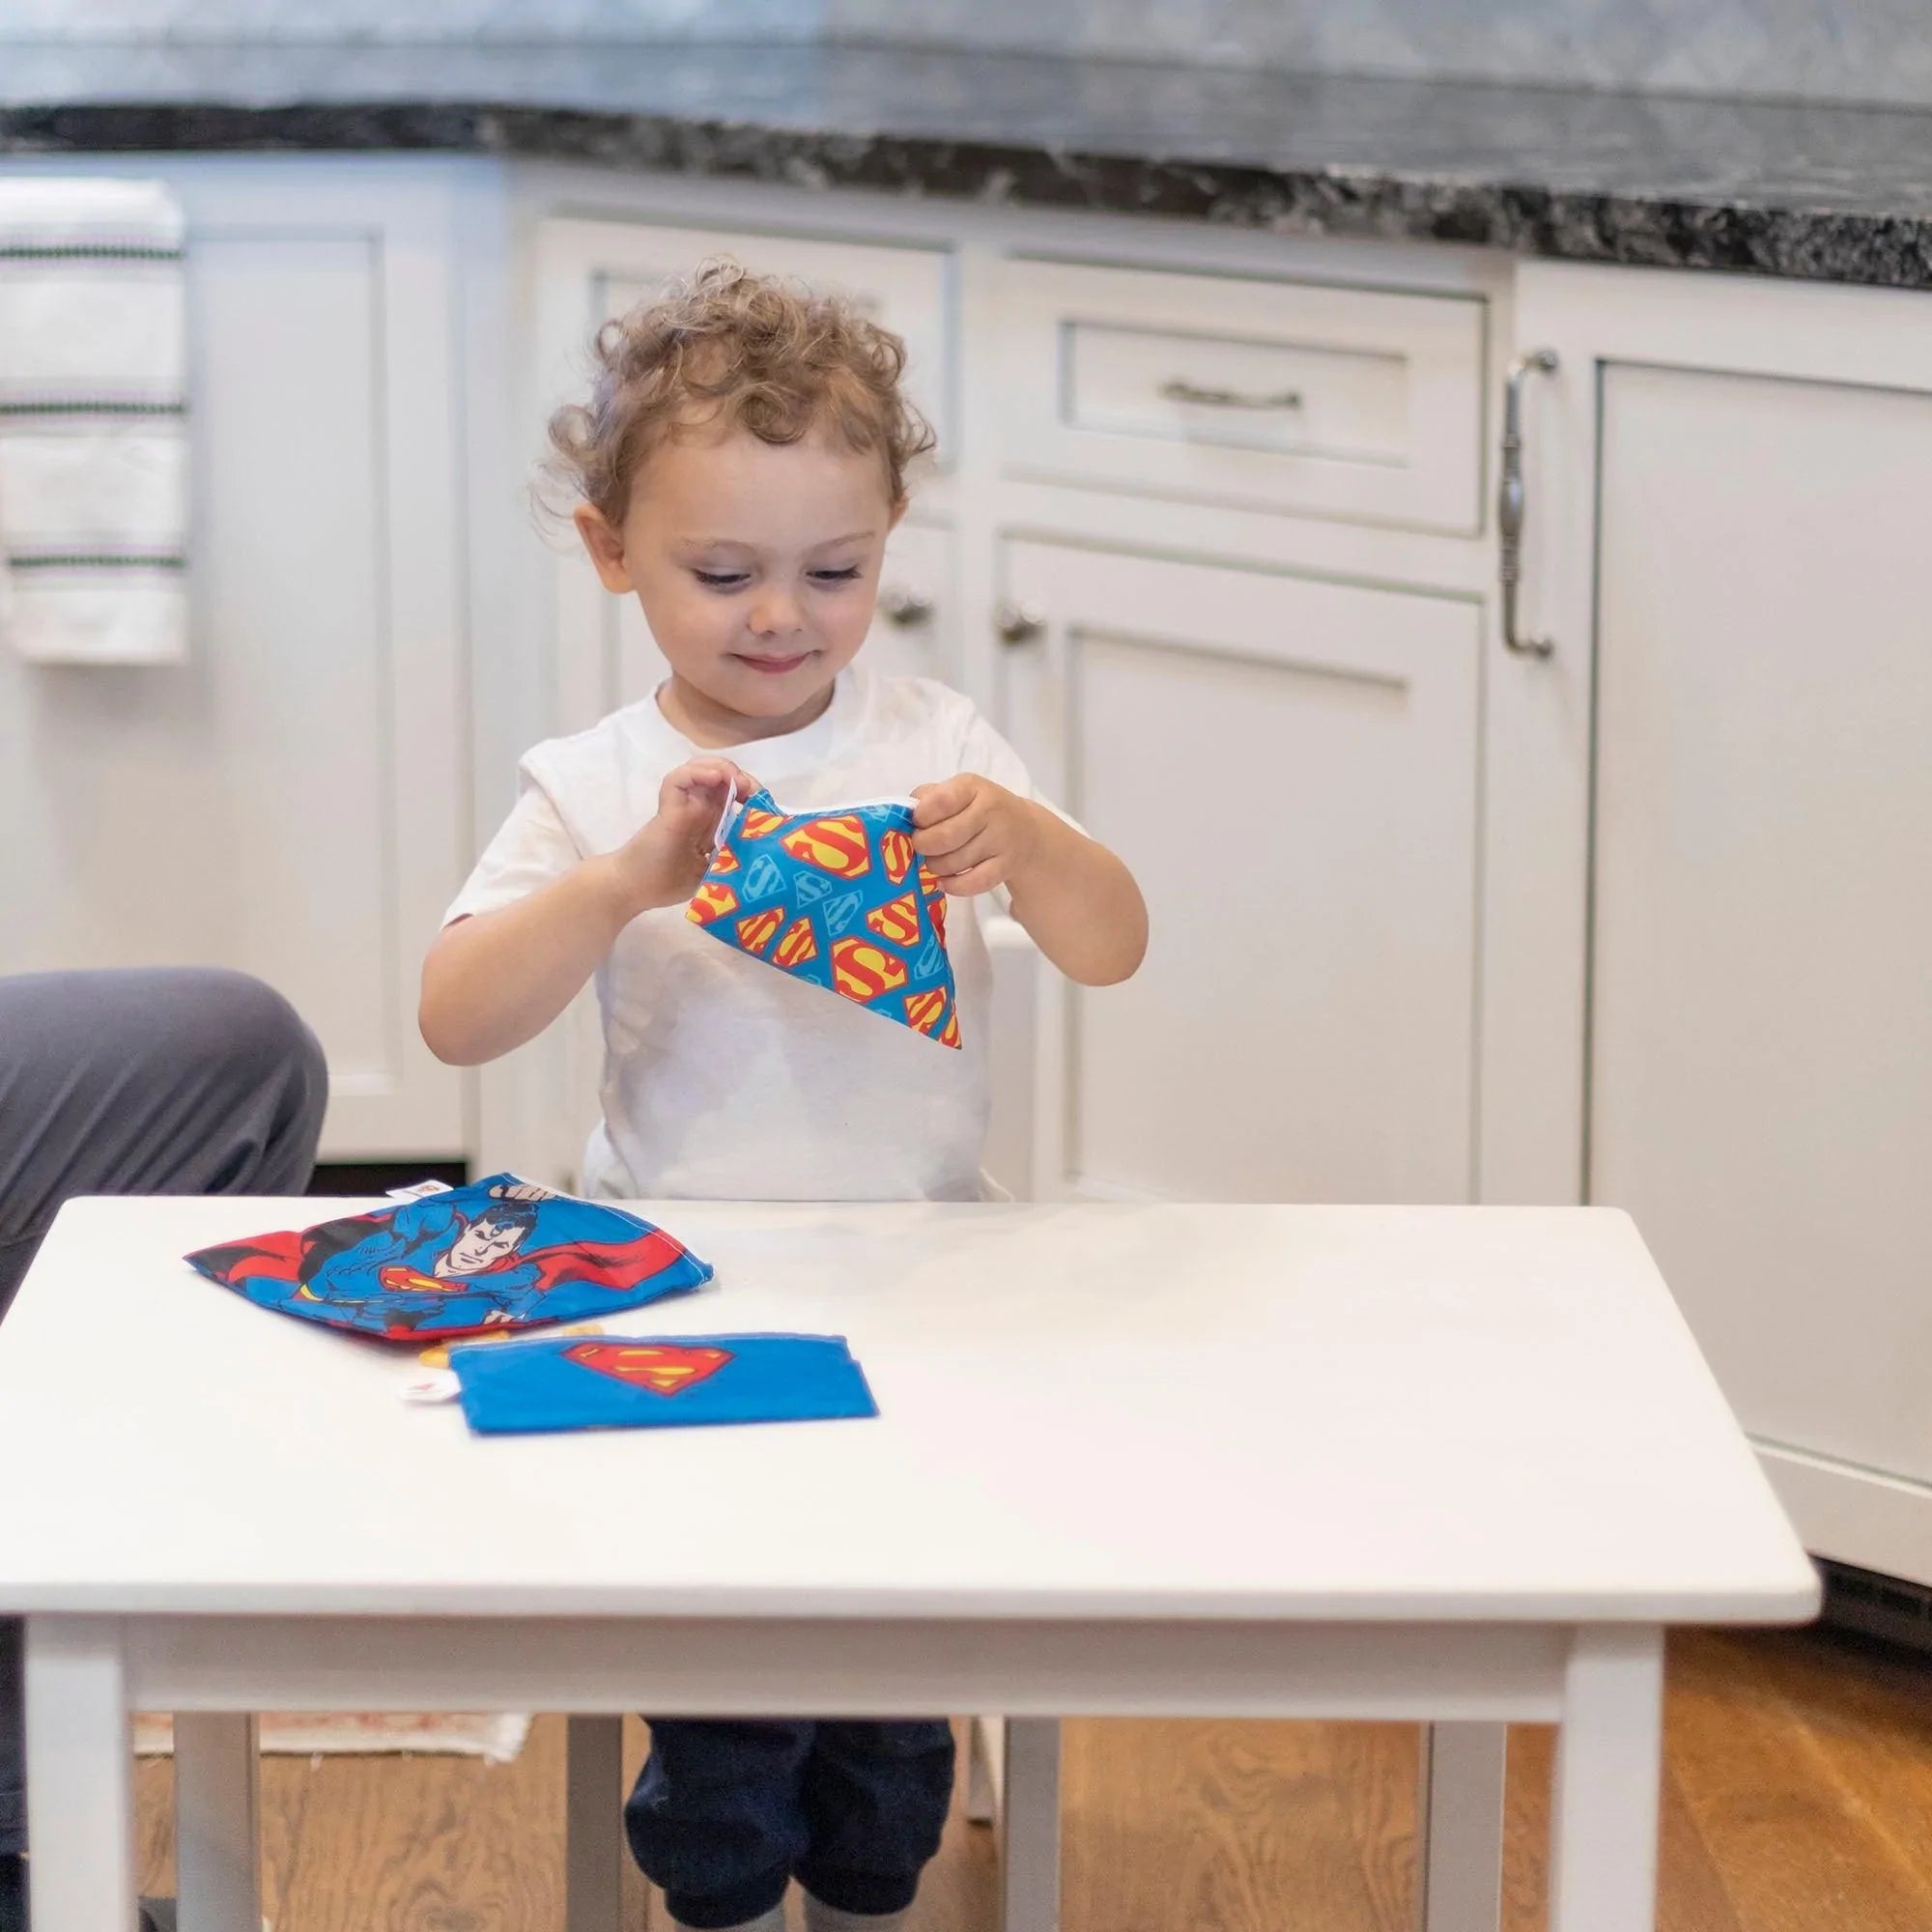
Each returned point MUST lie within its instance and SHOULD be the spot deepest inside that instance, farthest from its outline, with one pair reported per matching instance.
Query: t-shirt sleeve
(531, 848)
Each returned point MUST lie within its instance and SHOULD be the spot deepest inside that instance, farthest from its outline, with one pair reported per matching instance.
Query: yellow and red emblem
(724, 859)
(897, 920)
(755, 934)
(799, 947)
(836, 845)
(862, 971)
(657, 1366)
(713, 901)
(408, 1281)
(925, 1010)
(759, 824)
(896, 855)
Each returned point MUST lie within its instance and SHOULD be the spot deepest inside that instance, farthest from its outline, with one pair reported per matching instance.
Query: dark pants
(174, 1081)
(726, 1815)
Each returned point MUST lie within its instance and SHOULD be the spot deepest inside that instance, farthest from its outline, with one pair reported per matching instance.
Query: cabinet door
(287, 801)
(1290, 766)
(1759, 1044)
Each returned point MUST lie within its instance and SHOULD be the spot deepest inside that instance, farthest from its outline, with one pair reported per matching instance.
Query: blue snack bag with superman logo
(499, 1254)
(674, 1381)
(838, 899)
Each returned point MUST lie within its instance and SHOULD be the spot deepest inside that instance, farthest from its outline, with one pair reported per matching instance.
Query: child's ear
(605, 545)
(899, 510)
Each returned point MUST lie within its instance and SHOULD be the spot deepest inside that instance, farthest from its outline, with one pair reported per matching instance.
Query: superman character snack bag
(498, 1254)
(683, 1382)
(838, 899)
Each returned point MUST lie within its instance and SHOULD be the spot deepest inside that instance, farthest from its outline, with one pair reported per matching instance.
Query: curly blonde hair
(752, 351)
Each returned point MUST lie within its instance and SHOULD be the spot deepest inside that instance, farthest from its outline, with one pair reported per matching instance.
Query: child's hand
(664, 860)
(975, 834)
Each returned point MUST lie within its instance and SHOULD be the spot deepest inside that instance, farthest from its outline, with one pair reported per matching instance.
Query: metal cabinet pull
(903, 607)
(1177, 389)
(1018, 623)
(1513, 499)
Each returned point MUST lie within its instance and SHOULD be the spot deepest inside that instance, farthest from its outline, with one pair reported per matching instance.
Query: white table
(1457, 1465)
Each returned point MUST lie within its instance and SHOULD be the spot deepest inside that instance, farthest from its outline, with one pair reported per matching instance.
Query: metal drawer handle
(1177, 389)
(1018, 623)
(1513, 499)
(903, 607)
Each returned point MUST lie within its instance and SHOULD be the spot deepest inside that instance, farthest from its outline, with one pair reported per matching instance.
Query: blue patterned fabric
(838, 899)
(498, 1254)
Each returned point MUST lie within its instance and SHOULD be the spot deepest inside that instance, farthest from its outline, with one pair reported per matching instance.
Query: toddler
(740, 464)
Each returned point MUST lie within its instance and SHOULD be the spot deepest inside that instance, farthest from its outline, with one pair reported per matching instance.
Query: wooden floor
(1799, 1799)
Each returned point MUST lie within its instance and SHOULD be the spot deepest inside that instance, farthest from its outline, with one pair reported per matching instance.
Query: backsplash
(1875, 50)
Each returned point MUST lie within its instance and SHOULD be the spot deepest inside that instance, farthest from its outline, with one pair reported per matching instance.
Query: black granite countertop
(1819, 193)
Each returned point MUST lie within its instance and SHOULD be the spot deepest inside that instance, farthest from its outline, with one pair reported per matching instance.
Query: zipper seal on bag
(735, 805)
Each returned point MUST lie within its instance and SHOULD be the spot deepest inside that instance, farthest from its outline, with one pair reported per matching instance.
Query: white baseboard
(1854, 1516)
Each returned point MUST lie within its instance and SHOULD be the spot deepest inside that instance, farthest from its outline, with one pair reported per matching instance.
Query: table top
(1088, 1411)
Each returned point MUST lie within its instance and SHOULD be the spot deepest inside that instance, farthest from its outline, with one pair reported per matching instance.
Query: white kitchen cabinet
(1290, 767)
(1728, 486)
(289, 801)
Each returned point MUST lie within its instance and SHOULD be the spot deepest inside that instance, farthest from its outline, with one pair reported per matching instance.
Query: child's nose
(775, 615)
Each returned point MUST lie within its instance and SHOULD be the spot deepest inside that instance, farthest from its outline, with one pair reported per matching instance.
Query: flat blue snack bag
(498, 1255)
(838, 899)
(673, 1382)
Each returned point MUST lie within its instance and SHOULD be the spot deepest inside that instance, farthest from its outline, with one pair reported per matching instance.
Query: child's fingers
(972, 881)
(962, 858)
(933, 804)
(699, 787)
(949, 835)
(691, 803)
(711, 773)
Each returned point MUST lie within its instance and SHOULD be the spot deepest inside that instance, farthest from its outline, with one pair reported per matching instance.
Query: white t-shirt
(722, 1077)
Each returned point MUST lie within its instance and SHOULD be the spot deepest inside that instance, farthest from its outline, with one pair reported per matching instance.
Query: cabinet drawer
(1334, 402)
(906, 289)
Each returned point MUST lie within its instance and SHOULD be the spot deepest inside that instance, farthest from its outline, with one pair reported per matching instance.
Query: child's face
(757, 567)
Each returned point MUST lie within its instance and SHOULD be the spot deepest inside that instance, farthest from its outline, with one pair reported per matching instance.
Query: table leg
(985, 1767)
(80, 1776)
(593, 1824)
(1603, 1810)
(217, 1813)
(1029, 1827)
(1459, 1827)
